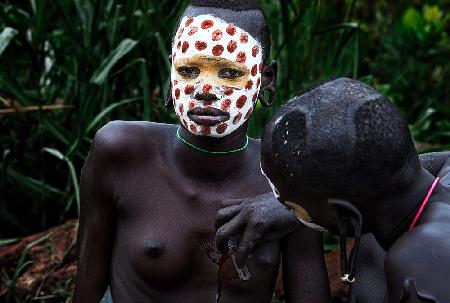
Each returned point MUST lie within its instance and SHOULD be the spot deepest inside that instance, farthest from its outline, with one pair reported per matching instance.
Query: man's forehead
(252, 23)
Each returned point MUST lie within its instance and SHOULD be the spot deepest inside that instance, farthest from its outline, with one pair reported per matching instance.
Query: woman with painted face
(150, 192)
(359, 173)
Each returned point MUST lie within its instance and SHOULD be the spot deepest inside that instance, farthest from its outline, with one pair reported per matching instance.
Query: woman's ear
(169, 99)
(269, 83)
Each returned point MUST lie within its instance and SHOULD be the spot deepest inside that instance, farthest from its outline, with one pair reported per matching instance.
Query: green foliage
(69, 66)
(412, 68)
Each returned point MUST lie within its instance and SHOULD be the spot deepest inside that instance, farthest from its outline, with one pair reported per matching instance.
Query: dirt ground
(42, 267)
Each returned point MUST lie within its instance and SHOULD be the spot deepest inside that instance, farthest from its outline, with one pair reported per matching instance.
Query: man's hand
(255, 220)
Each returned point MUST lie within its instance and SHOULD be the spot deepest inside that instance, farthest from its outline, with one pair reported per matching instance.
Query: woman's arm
(305, 277)
(97, 223)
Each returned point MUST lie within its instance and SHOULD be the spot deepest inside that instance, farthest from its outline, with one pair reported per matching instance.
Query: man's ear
(350, 225)
(269, 83)
(348, 216)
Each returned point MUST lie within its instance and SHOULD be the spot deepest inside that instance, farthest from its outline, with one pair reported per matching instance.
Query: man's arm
(257, 220)
(305, 277)
(97, 223)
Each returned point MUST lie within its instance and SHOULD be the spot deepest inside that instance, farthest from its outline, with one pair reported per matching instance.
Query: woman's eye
(230, 73)
(188, 72)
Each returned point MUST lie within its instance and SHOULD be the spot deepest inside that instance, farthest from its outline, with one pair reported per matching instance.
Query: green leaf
(412, 20)
(72, 171)
(101, 74)
(30, 183)
(6, 36)
(4, 242)
(107, 110)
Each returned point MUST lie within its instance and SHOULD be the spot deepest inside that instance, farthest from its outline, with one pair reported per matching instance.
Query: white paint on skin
(211, 36)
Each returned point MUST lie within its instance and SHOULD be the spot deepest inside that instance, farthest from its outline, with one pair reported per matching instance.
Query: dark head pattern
(247, 15)
(341, 138)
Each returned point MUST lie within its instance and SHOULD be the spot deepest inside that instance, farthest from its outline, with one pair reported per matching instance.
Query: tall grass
(69, 66)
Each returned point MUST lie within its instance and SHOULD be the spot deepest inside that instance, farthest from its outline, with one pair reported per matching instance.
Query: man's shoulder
(421, 256)
(426, 246)
(119, 138)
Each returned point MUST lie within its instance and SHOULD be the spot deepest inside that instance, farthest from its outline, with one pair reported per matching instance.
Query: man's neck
(390, 217)
(203, 165)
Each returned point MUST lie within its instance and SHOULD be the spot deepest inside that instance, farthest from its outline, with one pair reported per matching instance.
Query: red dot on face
(173, 57)
(228, 91)
(200, 45)
(206, 131)
(217, 35)
(231, 29)
(207, 24)
(221, 128)
(185, 123)
(225, 106)
(255, 51)
(193, 128)
(217, 50)
(177, 93)
(175, 82)
(258, 82)
(179, 45)
(237, 118)
(248, 114)
(241, 57)
(244, 38)
(185, 46)
(189, 21)
(232, 45)
(260, 67)
(181, 108)
(191, 104)
(254, 70)
(193, 30)
(241, 102)
(207, 88)
(249, 84)
(254, 98)
(189, 89)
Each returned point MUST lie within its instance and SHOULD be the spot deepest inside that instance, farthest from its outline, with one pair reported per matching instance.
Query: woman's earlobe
(169, 99)
(269, 83)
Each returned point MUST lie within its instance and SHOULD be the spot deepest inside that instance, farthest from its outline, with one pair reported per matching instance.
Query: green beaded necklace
(211, 152)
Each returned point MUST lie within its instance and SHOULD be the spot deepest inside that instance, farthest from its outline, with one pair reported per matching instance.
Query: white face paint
(219, 60)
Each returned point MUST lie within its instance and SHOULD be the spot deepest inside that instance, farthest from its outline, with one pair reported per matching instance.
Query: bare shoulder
(120, 138)
(420, 254)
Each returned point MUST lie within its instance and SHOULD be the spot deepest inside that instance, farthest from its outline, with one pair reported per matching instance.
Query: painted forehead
(212, 36)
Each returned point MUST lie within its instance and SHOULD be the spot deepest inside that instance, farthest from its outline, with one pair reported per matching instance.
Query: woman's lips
(208, 116)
